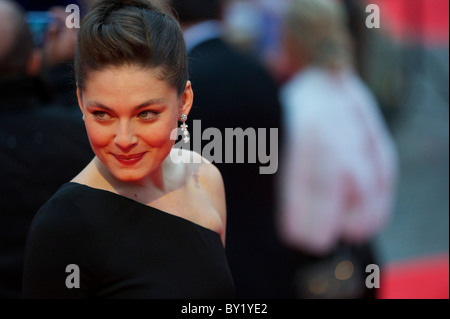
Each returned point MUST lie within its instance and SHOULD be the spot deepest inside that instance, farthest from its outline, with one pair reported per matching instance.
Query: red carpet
(426, 21)
(424, 278)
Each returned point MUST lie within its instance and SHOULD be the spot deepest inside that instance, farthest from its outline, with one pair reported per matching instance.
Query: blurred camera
(39, 22)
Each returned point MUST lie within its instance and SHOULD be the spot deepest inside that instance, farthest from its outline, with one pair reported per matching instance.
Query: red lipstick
(129, 160)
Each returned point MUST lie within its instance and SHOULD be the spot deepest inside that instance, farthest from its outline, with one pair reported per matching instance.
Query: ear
(187, 99)
(80, 99)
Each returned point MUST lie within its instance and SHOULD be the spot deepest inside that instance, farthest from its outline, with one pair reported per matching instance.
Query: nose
(125, 137)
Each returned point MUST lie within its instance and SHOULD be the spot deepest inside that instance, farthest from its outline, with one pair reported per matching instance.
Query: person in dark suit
(41, 146)
(233, 90)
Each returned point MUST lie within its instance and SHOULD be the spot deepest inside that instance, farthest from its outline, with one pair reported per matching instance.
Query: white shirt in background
(340, 166)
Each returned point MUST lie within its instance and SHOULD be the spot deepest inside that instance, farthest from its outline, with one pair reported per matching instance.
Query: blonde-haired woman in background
(340, 168)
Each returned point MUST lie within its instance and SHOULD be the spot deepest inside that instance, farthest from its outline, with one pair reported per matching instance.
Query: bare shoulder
(199, 167)
(206, 184)
(204, 174)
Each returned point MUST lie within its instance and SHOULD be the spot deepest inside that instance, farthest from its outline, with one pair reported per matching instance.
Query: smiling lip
(129, 159)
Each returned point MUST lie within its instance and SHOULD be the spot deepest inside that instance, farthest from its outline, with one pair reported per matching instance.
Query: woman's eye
(100, 115)
(147, 115)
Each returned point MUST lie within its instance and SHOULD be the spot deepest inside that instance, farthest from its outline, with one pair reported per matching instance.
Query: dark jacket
(41, 148)
(232, 90)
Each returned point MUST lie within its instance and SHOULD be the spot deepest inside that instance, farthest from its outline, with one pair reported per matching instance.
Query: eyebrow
(160, 101)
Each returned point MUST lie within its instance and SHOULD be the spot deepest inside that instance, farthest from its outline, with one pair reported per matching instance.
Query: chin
(130, 177)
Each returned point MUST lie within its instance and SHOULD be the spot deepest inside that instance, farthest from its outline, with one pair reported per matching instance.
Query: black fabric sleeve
(58, 237)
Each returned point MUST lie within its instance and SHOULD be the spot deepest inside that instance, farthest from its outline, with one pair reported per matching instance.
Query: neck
(154, 184)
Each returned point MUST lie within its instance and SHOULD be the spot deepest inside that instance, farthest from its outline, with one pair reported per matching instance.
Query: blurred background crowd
(404, 63)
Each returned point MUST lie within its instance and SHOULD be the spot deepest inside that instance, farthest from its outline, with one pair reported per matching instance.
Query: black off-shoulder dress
(115, 247)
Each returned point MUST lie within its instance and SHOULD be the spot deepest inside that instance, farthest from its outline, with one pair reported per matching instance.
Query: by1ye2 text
(229, 309)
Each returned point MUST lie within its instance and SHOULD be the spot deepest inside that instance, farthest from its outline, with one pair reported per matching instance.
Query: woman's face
(129, 116)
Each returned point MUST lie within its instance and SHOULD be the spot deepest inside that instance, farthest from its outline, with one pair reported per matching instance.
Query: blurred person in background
(254, 26)
(233, 90)
(50, 32)
(56, 42)
(41, 145)
(339, 176)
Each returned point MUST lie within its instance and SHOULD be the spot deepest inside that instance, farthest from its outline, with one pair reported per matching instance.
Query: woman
(139, 221)
(338, 185)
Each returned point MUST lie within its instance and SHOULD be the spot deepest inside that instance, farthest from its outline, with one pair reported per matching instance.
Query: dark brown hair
(131, 32)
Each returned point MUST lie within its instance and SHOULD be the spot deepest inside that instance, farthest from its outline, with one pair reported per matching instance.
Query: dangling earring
(184, 129)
